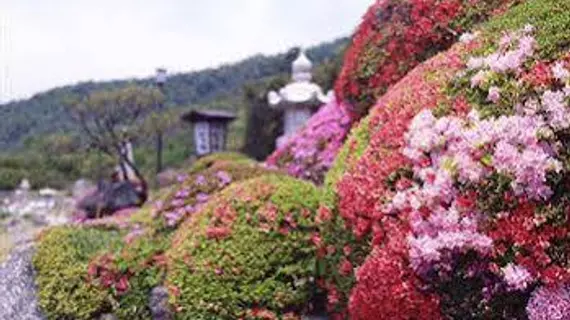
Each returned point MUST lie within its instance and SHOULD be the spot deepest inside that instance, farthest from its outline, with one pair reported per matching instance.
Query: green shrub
(247, 252)
(348, 155)
(61, 261)
(10, 178)
(208, 161)
(129, 273)
(139, 262)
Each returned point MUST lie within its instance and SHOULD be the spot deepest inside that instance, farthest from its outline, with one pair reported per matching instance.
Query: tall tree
(106, 118)
(264, 123)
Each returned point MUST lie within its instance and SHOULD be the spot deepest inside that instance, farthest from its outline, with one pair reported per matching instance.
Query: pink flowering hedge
(457, 205)
(310, 153)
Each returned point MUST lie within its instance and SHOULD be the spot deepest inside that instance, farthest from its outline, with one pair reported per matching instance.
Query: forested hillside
(44, 113)
(38, 142)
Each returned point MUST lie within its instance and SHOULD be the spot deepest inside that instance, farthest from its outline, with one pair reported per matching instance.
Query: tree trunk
(124, 157)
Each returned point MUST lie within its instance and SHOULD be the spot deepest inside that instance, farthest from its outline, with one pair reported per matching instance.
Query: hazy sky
(47, 43)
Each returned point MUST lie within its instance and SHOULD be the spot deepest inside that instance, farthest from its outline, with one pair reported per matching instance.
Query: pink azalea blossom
(549, 304)
(517, 277)
(494, 94)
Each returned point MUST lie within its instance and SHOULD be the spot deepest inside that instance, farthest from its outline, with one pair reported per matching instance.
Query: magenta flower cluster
(549, 304)
(310, 153)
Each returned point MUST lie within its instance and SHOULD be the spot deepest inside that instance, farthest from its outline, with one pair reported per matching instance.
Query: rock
(82, 188)
(18, 300)
(111, 197)
(108, 316)
(158, 304)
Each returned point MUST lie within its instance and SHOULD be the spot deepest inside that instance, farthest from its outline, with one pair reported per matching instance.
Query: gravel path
(17, 290)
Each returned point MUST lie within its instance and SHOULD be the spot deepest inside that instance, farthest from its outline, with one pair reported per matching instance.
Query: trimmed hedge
(247, 254)
(120, 268)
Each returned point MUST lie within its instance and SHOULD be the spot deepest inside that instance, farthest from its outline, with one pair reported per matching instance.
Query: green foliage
(249, 248)
(264, 123)
(139, 260)
(61, 262)
(52, 161)
(208, 161)
(45, 113)
(350, 153)
(549, 17)
(10, 178)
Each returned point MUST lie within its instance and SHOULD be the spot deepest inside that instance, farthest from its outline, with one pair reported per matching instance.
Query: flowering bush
(395, 36)
(128, 270)
(247, 254)
(131, 272)
(360, 190)
(457, 204)
(61, 261)
(310, 153)
(193, 189)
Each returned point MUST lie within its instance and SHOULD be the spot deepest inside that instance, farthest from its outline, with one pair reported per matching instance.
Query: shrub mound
(310, 153)
(208, 176)
(457, 204)
(120, 277)
(397, 35)
(247, 254)
(139, 265)
(61, 261)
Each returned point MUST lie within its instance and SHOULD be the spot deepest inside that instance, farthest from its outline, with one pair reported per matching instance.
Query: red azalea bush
(310, 153)
(362, 188)
(457, 205)
(397, 35)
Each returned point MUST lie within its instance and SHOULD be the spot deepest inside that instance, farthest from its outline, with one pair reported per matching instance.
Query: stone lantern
(210, 129)
(300, 98)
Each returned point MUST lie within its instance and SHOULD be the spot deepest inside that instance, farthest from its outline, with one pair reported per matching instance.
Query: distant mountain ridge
(44, 114)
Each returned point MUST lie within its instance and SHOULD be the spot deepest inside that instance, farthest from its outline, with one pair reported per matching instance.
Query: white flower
(516, 277)
(475, 63)
(566, 91)
(560, 72)
(479, 78)
(468, 37)
(494, 94)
